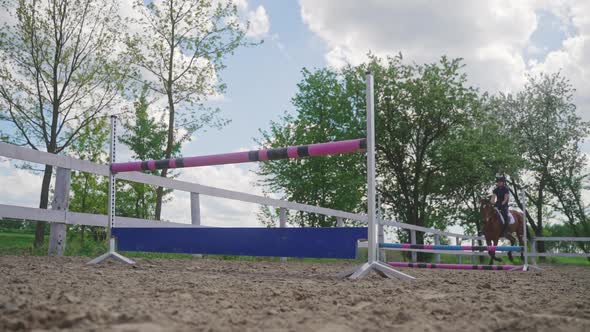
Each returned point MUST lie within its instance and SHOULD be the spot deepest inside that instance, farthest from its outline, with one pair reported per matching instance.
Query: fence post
(458, 242)
(473, 256)
(380, 231)
(283, 224)
(437, 242)
(196, 214)
(524, 230)
(534, 250)
(195, 209)
(57, 231)
(381, 239)
(413, 241)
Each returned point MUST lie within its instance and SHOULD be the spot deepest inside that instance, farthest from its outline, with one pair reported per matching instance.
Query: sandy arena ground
(48, 293)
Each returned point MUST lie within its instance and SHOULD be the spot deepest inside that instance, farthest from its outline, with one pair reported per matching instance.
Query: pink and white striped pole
(311, 150)
(456, 266)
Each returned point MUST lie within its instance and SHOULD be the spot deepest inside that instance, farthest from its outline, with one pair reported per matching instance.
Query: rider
(500, 199)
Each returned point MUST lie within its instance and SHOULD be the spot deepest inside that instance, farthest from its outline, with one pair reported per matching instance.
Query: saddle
(512, 221)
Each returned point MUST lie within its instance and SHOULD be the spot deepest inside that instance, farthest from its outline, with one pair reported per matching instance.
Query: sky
(501, 42)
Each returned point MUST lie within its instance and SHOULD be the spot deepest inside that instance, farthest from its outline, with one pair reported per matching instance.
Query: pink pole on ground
(454, 266)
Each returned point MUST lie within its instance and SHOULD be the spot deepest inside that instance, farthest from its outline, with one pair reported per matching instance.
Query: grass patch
(16, 240)
(569, 260)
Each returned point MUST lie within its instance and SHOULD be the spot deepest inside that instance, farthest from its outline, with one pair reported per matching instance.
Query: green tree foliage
(425, 113)
(470, 159)
(58, 72)
(324, 113)
(542, 120)
(181, 47)
(146, 138)
(420, 109)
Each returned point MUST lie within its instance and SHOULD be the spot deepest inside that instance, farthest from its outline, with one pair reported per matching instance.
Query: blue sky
(501, 42)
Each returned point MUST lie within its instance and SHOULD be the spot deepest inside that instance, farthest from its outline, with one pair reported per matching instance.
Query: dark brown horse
(492, 228)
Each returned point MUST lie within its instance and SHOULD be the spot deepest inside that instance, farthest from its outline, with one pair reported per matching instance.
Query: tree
(419, 108)
(470, 159)
(324, 112)
(543, 122)
(146, 138)
(89, 191)
(181, 48)
(58, 72)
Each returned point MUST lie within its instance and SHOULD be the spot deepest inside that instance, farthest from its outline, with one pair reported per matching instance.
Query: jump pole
(457, 266)
(448, 247)
(311, 150)
(373, 262)
(112, 202)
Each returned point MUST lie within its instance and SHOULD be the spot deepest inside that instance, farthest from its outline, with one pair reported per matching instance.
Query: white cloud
(573, 59)
(258, 19)
(217, 211)
(259, 23)
(19, 187)
(492, 36)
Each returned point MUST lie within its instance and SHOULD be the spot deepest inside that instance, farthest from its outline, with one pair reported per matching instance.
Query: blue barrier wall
(338, 242)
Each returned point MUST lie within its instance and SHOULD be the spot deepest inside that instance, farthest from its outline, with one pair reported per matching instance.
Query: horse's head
(486, 209)
(485, 202)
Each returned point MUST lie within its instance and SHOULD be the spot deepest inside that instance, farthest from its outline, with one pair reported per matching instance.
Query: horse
(492, 229)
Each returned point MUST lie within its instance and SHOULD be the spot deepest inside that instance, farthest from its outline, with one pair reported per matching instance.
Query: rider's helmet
(500, 178)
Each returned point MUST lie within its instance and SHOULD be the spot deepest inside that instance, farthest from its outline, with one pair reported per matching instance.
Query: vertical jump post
(112, 202)
(373, 262)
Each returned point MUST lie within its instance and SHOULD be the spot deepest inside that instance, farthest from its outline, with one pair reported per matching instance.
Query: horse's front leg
(512, 242)
(491, 252)
(497, 259)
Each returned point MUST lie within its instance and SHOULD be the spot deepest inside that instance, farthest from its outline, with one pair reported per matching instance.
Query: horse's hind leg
(497, 259)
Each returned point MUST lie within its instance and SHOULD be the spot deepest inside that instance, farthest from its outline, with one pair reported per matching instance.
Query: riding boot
(505, 228)
(506, 217)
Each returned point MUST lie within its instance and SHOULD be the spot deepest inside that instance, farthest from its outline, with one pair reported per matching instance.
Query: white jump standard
(333, 242)
(112, 203)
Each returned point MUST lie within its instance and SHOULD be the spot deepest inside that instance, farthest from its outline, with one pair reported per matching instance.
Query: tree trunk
(170, 95)
(168, 152)
(159, 195)
(43, 203)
